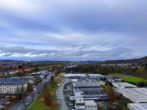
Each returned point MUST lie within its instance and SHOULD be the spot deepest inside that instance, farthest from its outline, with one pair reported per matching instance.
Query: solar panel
(137, 107)
(144, 106)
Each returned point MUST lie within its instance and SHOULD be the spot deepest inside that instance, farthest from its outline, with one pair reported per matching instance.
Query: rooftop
(90, 103)
(79, 101)
(138, 106)
(86, 84)
(135, 94)
(12, 81)
(123, 85)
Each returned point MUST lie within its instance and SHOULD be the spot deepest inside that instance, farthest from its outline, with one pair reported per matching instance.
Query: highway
(32, 97)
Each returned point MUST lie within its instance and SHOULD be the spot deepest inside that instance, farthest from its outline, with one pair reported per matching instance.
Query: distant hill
(139, 60)
(10, 61)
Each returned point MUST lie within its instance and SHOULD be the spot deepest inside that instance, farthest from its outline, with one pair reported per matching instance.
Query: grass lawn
(40, 106)
(115, 74)
(133, 80)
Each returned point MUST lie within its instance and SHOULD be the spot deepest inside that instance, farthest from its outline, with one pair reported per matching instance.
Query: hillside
(140, 60)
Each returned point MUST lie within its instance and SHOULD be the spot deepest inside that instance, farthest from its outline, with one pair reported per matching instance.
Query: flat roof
(135, 94)
(137, 106)
(123, 85)
(79, 100)
(90, 103)
(12, 81)
(74, 80)
(86, 84)
(83, 75)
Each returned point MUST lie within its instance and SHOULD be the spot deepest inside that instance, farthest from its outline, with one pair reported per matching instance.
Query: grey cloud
(114, 53)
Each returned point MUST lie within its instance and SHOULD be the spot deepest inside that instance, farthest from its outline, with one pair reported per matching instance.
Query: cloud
(73, 30)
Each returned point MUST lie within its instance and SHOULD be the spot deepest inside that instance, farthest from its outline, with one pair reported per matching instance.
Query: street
(32, 97)
(60, 96)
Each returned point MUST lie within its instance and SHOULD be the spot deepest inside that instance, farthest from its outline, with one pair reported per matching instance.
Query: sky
(73, 30)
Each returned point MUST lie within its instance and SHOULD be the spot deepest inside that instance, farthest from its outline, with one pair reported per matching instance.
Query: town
(73, 54)
(31, 85)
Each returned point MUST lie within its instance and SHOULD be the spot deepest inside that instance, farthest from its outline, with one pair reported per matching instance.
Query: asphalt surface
(60, 96)
(32, 97)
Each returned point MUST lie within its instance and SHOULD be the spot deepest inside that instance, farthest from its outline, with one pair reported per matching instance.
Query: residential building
(12, 86)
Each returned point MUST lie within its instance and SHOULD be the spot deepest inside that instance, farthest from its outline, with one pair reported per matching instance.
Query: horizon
(72, 30)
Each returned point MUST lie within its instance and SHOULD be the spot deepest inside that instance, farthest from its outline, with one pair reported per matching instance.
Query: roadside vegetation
(47, 100)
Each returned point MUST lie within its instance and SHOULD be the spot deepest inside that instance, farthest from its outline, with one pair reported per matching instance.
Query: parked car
(22, 101)
(115, 103)
(26, 104)
(4, 104)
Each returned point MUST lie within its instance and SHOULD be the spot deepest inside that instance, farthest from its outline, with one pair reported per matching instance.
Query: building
(84, 76)
(90, 105)
(88, 91)
(137, 95)
(12, 86)
(123, 85)
(137, 106)
(81, 104)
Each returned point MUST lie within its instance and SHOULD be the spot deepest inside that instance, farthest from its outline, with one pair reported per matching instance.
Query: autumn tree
(48, 95)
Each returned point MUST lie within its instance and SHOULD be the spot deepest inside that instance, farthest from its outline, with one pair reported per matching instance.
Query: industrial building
(137, 95)
(81, 104)
(123, 85)
(137, 106)
(88, 91)
(83, 75)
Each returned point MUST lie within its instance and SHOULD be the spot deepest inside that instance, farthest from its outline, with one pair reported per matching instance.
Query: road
(60, 96)
(32, 97)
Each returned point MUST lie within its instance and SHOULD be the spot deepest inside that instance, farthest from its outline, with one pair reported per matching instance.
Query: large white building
(137, 95)
(137, 106)
(83, 75)
(123, 85)
(12, 86)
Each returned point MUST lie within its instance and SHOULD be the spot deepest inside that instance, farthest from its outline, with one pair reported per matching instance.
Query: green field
(115, 74)
(42, 106)
(133, 80)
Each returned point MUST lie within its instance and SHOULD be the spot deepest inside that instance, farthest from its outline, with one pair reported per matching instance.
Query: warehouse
(137, 95)
(137, 106)
(123, 85)
(81, 104)
(88, 91)
(83, 75)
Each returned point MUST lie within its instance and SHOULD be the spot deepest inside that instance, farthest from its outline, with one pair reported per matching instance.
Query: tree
(22, 72)
(48, 95)
(52, 78)
(30, 87)
(30, 70)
